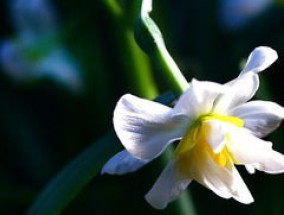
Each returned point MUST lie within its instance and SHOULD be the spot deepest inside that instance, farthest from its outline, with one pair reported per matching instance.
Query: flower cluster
(217, 128)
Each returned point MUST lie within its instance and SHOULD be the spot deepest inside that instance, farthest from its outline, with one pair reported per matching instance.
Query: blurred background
(64, 64)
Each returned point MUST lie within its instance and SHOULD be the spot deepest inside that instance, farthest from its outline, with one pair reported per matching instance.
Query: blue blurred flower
(36, 52)
(235, 14)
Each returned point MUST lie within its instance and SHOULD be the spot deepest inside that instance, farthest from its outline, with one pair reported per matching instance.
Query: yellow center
(194, 146)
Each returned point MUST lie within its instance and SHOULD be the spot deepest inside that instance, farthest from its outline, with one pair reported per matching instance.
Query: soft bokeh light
(35, 51)
(235, 14)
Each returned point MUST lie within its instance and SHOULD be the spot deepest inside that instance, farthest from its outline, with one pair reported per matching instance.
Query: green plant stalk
(178, 83)
(150, 39)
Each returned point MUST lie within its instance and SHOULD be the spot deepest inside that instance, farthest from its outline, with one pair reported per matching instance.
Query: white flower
(217, 129)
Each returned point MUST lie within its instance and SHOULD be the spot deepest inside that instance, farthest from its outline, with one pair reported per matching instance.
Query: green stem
(150, 39)
(178, 82)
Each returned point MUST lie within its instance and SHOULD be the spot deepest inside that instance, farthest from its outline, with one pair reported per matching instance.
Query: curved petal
(224, 181)
(123, 163)
(248, 149)
(240, 90)
(167, 188)
(250, 168)
(198, 99)
(244, 87)
(261, 117)
(214, 131)
(242, 193)
(272, 164)
(259, 59)
(145, 128)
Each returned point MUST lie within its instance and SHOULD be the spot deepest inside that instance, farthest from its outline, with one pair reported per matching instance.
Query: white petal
(123, 163)
(250, 168)
(215, 133)
(244, 87)
(145, 128)
(224, 181)
(240, 90)
(260, 59)
(272, 163)
(167, 188)
(248, 149)
(242, 193)
(261, 117)
(198, 99)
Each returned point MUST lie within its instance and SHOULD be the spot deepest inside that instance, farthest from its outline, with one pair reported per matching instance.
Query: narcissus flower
(217, 127)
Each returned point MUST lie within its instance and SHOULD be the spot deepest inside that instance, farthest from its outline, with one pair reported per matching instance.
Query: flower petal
(198, 99)
(167, 188)
(214, 132)
(250, 168)
(273, 163)
(123, 163)
(246, 84)
(242, 193)
(240, 90)
(260, 59)
(261, 117)
(145, 128)
(248, 149)
(224, 181)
